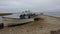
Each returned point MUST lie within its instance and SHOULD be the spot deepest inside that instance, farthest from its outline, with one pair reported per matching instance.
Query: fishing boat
(19, 18)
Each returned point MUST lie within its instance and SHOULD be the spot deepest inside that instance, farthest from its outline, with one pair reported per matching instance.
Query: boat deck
(43, 26)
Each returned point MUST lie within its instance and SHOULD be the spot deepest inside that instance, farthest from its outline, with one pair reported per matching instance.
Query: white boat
(15, 19)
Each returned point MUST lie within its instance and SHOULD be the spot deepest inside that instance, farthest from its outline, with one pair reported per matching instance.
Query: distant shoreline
(3, 14)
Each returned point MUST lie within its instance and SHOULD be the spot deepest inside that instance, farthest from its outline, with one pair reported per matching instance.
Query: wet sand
(43, 26)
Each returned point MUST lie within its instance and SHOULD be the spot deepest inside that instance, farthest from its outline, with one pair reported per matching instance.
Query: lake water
(55, 14)
(16, 15)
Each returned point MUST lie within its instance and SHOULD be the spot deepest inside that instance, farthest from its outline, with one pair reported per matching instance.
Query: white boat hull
(8, 22)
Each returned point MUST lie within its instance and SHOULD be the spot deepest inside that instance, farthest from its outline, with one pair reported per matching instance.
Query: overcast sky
(33, 5)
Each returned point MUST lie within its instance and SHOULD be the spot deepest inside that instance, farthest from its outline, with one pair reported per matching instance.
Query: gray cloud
(33, 5)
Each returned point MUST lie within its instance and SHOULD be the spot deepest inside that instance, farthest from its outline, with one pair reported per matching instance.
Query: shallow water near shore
(54, 14)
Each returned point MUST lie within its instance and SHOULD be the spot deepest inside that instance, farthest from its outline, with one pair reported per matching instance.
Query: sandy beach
(43, 26)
